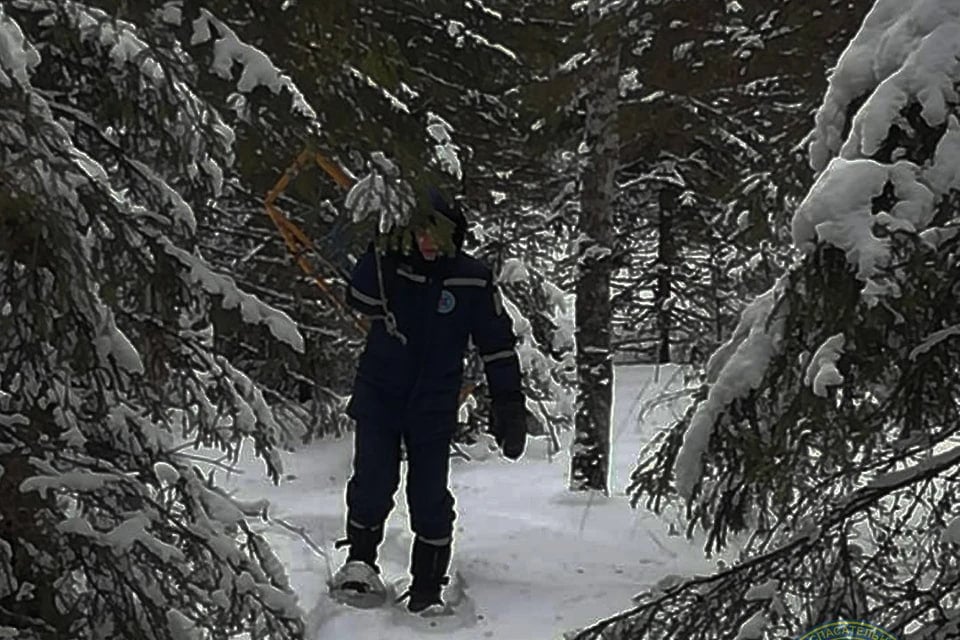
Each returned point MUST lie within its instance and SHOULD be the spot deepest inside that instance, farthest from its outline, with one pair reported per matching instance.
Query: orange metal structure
(298, 243)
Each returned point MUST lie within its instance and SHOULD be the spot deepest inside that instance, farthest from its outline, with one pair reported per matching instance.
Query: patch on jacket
(447, 302)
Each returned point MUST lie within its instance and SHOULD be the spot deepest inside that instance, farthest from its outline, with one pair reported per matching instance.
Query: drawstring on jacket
(389, 320)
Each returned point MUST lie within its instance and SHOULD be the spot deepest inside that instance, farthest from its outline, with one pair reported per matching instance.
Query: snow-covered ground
(536, 560)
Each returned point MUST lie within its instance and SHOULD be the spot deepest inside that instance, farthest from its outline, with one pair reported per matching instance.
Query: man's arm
(493, 335)
(363, 291)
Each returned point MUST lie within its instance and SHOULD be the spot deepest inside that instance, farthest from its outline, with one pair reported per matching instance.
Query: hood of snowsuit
(452, 213)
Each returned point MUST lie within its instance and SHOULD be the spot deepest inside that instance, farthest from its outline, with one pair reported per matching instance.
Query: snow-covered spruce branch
(652, 619)
(257, 69)
(126, 548)
(251, 308)
(120, 44)
(545, 340)
(136, 542)
(182, 212)
(781, 421)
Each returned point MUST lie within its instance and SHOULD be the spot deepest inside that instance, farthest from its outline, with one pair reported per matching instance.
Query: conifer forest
(689, 325)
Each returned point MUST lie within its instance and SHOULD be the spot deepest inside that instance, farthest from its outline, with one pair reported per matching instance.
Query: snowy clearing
(536, 560)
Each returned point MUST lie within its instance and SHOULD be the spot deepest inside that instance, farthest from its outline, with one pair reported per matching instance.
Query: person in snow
(423, 308)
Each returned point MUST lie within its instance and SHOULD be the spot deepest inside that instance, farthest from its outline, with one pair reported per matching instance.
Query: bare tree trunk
(664, 265)
(590, 459)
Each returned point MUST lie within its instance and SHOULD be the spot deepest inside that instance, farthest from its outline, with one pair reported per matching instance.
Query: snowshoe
(358, 584)
(426, 603)
(453, 610)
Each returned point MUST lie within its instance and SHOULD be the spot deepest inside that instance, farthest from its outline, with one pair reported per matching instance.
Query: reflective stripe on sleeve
(364, 298)
(499, 355)
(412, 276)
(465, 282)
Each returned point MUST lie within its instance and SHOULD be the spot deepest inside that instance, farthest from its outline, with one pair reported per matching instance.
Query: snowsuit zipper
(427, 326)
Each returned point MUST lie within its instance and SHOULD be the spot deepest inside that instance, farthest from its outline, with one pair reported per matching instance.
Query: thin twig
(301, 533)
(216, 463)
(458, 452)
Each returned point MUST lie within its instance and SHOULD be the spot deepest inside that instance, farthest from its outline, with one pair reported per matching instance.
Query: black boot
(357, 582)
(363, 542)
(428, 566)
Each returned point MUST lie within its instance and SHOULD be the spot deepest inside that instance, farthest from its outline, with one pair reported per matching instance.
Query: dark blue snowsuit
(410, 392)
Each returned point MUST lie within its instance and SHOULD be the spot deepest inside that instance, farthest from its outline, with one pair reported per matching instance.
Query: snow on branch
(934, 339)
(908, 48)
(383, 193)
(75, 481)
(179, 208)
(903, 55)
(927, 75)
(257, 68)
(927, 468)
(125, 46)
(119, 36)
(395, 102)
(822, 371)
(123, 536)
(252, 309)
(17, 56)
(460, 32)
(117, 494)
(445, 151)
(736, 368)
(839, 209)
(113, 342)
(513, 270)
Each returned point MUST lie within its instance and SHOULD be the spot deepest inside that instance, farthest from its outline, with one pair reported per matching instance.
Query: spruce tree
(822, 441)
(110, 166)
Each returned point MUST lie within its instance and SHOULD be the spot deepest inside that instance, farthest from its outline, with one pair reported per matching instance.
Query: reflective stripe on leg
(358, 525)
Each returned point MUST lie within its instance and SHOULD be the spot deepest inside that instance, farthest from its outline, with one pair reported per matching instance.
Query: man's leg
(370, 491)
(431, 509)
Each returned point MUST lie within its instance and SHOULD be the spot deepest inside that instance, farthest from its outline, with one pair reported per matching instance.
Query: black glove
(509, 427)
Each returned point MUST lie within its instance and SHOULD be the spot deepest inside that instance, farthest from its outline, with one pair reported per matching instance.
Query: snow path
(536, 560)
